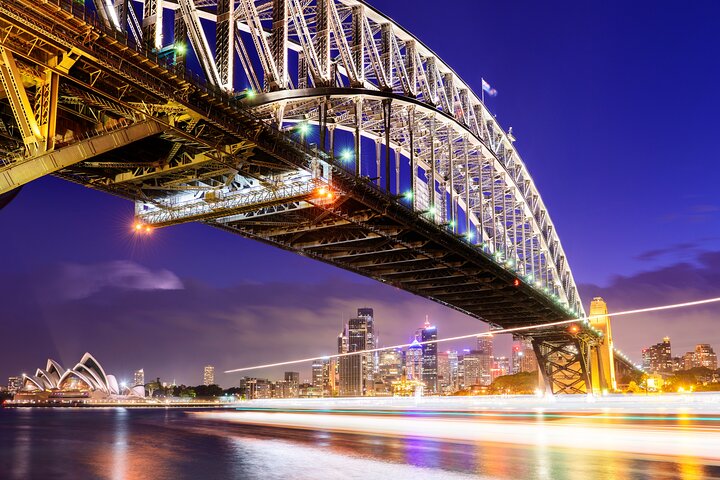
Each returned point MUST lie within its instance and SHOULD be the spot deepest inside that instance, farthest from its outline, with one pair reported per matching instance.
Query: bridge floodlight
(303, 128)
(346, 155)
(180, 48)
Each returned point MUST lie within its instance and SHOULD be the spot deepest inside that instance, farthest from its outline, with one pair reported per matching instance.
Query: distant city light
(490, 334)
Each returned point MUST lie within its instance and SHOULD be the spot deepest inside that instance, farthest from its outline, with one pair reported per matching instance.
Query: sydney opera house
(85, 381)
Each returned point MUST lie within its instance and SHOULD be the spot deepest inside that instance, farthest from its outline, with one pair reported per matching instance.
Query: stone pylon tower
(602, 360)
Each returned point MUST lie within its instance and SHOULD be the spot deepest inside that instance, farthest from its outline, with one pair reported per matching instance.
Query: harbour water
(119, 443)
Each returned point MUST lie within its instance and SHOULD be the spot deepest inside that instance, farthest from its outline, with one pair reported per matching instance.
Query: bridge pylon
(602, 358)
(563, 363)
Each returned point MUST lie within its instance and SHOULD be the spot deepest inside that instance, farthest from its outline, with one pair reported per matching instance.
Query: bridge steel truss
(442, 206)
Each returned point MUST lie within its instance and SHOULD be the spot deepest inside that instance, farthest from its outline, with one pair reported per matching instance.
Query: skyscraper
(353, 369)
(472, 370)
(429, 357)
(372, 360)
(318, 367)
(139, 378)
(528, 362)
(414, 361)
(448, 371)
(501, 366)
(293, 380)
(209, 375)
(516, 358)
(391, 365)
(485, 355)
(705, 356)
(658, 357)
(443, 372)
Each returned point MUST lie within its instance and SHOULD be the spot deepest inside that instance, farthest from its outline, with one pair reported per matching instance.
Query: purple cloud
(75, 281)
(678, 283)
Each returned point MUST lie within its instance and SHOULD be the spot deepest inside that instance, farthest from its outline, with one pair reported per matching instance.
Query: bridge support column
(413, 163)
(357, 136)
(387, 121)
(563, 365)
(603, 358)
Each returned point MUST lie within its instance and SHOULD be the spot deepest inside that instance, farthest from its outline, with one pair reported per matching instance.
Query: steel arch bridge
(318, 126)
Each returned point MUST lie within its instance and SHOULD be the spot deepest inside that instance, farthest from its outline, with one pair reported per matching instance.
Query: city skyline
(98, 278)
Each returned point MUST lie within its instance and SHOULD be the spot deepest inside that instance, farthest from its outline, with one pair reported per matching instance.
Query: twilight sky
(614, 106)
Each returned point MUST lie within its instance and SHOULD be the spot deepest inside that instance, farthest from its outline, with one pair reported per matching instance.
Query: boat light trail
(486, 334)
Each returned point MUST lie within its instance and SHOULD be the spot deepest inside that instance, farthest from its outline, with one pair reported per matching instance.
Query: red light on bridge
(574, 329)
(516, 282)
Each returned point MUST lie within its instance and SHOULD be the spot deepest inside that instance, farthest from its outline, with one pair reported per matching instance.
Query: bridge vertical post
(152, 24)
(387, 118)
(413, 164)
(493, 214)
(279, 42)
(322, 40)
(467, 190)
(302, 71)
(322, 121)
(386, 35)
(224, 40)
(397, 171)
(357, 137)
(453, 213)
(358, 41)
(431, 182)
(331, 135)
(378, 180)
(179, 39)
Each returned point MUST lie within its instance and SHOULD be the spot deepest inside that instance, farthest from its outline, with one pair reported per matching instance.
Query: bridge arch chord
(347, 69)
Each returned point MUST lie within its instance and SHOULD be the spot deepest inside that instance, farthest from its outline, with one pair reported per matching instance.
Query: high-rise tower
(209, 375)
(429, 357)
(602, 360)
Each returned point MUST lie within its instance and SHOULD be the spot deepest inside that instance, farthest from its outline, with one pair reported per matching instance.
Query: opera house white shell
(87, 379)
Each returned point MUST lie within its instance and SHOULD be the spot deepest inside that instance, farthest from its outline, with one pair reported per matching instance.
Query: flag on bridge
(487, 88)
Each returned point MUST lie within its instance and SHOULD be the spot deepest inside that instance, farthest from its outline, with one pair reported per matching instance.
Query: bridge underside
(82, 103)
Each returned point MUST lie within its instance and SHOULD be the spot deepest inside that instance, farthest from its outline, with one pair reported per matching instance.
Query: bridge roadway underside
(205, 136)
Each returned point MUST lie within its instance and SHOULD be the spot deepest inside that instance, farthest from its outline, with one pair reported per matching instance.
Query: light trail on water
(486, 334)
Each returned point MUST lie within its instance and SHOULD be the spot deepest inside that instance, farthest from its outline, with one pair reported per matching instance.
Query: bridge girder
(473, 224)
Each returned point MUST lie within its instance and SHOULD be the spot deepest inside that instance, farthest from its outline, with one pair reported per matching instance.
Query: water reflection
(138, 444)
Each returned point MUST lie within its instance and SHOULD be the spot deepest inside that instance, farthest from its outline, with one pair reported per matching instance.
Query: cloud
(131, 317)
(75, 281)
(660, 252)
(141, 319)
(681, 282)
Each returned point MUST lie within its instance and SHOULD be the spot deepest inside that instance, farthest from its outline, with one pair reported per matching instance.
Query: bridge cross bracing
(320, 127)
